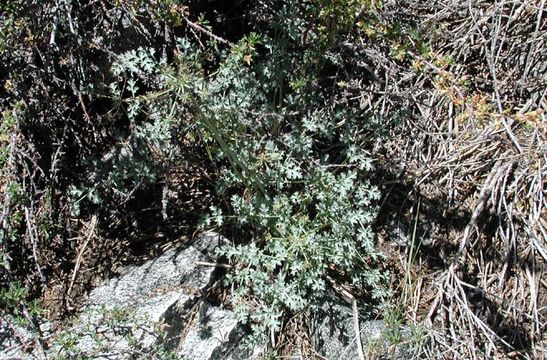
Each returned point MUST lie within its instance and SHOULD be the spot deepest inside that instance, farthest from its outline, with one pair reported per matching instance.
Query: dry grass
(476, 141)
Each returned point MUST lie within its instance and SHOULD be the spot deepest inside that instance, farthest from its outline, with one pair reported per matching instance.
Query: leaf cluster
(293, 169)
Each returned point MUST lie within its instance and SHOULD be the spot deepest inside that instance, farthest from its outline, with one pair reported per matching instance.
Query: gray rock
(149, 311)
(208, 242)
(238, 350)
(209, 335)
(334, 336)
(151, 288)
(21, 341)
(152, 311)
(401, 232)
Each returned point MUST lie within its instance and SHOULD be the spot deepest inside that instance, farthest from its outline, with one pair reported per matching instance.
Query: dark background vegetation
(447, 99)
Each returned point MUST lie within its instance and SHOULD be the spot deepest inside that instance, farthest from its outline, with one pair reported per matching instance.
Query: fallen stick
(349, 297)
(81, 253)
(205, 263)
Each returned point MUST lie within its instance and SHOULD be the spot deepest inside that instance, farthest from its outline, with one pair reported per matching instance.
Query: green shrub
(293, 166)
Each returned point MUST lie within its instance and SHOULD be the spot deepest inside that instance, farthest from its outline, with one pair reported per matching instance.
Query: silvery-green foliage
(139, 157)
(293, 170)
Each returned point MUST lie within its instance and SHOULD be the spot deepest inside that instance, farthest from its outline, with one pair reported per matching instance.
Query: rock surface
(334, 334)
(157, 309)
(208, 336)
(153, 311)
(18, 341)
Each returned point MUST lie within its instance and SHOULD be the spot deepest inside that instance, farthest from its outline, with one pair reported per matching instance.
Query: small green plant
(372, 348)
(13, 296)
(67, 341)
(417, 333)
(116, 316)
(393, 320)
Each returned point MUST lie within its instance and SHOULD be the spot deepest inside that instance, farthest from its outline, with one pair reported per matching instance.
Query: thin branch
(83, 248)
(205, 31)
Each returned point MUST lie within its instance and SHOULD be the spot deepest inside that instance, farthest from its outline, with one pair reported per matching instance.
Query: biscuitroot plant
(291, 160)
